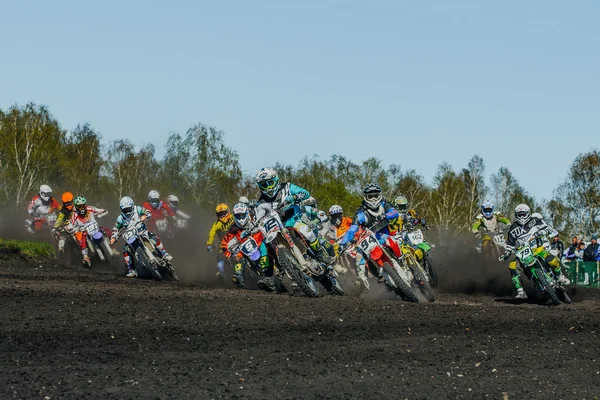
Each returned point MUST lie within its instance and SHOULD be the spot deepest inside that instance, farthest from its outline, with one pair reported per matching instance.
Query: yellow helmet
(222, 211)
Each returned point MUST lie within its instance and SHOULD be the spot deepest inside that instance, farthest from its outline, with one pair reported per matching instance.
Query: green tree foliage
(575, 206)
(202, 170)
(30, 147)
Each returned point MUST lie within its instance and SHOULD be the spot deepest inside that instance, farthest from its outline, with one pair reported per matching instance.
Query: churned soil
(71, 333)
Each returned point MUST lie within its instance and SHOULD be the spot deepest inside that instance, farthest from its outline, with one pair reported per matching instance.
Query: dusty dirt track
(71, 333)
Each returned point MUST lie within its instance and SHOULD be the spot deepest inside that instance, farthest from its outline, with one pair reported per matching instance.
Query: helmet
(244, 199)
(487, 209)
(172, 200)
(372, 196)
(522, 214)
(322, 215)
(80, 205)
(153, 198)
(537, 215)
(126, 205)
(401, 203)
(222, 212)
(67, 200)
(336, 214)
(45, 192)
(241, 215)
(268, 181)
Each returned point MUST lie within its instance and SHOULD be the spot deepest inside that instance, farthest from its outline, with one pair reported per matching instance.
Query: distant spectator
(580, 251)
(558, 245)
(572, 248)
(591, 252)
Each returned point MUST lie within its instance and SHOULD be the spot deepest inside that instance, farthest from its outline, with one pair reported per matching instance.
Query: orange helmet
(222, 211)
(67, 200)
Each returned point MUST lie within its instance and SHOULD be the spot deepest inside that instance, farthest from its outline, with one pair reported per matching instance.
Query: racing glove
(209, 248)
(504, 256)
(478, 235)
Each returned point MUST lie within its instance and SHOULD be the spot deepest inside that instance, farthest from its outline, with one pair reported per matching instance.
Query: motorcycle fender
(425, 247)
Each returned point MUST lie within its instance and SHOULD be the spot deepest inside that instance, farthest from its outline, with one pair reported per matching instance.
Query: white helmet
(172, 200)
(243, 199)
(537, 215)
(241, 215)
(372, 196)
(45, 192)
(522, 214)
(322, 215)
(126, 205)
(336, 214)
(153, 198)
(268, 181)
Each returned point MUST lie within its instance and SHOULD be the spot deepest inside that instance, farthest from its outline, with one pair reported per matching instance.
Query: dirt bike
(250, 249)
(528, 252)
(98, 244)
(41, 225)
(416, 239)
(400, 275)
(496, 242)
(281, 247)
(144, 255)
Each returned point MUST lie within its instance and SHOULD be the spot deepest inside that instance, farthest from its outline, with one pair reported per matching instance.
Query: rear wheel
(291, 266)
(422, 283)
(400, 288)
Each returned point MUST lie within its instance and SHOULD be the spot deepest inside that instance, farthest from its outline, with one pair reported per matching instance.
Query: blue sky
(413, 83)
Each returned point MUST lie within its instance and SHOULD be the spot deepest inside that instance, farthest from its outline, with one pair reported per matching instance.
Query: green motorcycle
(531, 260)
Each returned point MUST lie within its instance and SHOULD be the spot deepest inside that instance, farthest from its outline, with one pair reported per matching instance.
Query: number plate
(499, 239)
(272, 225)
(416, 237)
(525, 254)
(91, 227)
(162, 225)
(130, 234)
(368, 243)
(249, 247)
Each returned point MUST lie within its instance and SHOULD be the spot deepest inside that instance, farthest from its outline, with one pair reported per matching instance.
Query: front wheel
(545, 284)
(431, 270)
(400, 288)
(144, 266)
(332, 285)
(291, 266)
(422, 283)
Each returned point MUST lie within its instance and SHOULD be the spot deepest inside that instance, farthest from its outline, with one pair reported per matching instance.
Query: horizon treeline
(202, 170)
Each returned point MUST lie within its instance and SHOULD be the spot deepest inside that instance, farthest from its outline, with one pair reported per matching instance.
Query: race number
(271, 225)
(368, 243)
(416, 237)
(91, 227)
(499, 239)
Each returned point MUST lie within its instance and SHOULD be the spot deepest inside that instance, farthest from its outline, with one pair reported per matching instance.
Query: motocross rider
(220, 228)
(64, 215)
(374, 209)
(42, 205)
(173, 203)
(408, 220)
(128, 212)
(159, 210)
(523, 224)
(339, 226)
(242, 220)
(277, 195)
(487, 222)
(83, 214)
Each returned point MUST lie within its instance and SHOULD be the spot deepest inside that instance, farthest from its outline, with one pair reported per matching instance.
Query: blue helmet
(487, 209)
